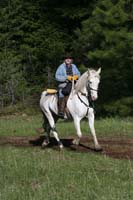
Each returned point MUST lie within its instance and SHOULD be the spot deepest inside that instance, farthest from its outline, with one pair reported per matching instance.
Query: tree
(27, 33)
(105, 39)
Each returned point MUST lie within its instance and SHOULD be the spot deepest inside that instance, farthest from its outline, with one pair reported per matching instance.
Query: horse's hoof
(75, 142)
(61, 146)
(45, 144)
(98, 148)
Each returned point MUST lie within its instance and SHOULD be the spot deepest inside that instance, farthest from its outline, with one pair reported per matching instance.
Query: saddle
(51, 91)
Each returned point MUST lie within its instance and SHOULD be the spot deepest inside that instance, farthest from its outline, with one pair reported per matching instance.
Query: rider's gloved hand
(70, 78)
(75, 77)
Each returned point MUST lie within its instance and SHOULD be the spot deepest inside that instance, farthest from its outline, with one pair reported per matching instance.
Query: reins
(82, 100)
(88, 95)
(84, 103)
(91, 103)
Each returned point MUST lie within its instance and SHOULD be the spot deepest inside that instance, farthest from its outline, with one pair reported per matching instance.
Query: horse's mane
(81, 82)
(84, 78)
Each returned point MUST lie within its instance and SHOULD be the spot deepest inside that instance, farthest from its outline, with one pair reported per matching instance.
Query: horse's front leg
(91, 118)
(76, 141)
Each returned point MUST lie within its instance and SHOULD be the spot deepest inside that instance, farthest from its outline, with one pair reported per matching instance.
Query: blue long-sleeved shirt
(61, 74)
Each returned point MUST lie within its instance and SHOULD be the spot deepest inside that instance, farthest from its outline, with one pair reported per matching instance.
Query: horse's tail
(48, 101)
(44, 93)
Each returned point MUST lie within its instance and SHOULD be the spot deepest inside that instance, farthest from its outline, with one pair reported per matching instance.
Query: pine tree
(106, 40)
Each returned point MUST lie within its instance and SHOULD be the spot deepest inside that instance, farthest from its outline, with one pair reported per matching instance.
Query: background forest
(34, 35)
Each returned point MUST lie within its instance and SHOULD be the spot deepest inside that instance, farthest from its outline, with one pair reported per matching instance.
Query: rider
(66, 72)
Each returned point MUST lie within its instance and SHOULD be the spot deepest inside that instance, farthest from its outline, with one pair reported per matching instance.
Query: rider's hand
(70, 78)
(75, 77)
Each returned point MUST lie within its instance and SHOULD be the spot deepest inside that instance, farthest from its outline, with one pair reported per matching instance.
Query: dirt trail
(121, 148)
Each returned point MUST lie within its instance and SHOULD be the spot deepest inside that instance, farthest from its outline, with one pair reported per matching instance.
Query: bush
(122, 107)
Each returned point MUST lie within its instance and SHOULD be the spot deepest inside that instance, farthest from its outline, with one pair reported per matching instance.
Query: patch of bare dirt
(121, 148)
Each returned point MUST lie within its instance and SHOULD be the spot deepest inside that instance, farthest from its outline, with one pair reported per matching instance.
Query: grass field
(26, 125)
(36, 174)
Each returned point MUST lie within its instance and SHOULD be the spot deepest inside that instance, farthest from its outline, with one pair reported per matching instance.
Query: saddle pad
(51, 91)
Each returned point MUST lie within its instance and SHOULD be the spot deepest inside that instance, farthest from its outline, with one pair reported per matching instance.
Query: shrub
(122, 107)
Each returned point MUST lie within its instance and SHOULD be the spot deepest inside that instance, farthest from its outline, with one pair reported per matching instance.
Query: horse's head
(88, 83)
(93, 82)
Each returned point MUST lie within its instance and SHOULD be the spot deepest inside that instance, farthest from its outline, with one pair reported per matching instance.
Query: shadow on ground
(120, 148)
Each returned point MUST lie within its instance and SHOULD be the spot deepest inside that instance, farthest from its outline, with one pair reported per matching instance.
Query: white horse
(79, 105)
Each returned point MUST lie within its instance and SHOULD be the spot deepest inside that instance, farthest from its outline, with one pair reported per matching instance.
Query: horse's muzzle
(94, 98)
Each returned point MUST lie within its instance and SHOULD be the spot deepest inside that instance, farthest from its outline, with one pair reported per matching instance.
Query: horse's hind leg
(55, 133)
(51, 121)
(91, 118)
(47, 128)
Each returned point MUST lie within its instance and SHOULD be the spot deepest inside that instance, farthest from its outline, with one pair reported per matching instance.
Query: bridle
(89, 88)
(91, 102)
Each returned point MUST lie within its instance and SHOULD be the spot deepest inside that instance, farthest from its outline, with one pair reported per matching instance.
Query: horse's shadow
(67, 142)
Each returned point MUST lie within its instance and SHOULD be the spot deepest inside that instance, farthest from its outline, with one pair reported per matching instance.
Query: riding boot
(61, 107)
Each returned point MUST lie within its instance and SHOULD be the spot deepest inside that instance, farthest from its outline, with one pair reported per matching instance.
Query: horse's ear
(99, 70)
(88, 72)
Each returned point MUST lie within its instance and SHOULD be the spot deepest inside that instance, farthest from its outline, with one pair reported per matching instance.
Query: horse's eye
(90, 82)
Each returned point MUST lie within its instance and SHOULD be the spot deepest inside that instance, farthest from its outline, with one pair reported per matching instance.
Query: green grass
(19, 125)
(26, 125)
(36, 174)
(47, 174)
(104, 127)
